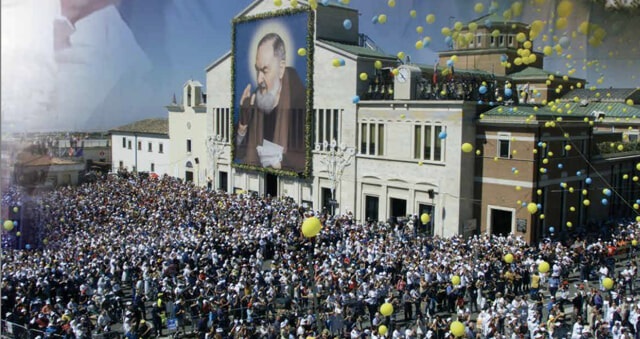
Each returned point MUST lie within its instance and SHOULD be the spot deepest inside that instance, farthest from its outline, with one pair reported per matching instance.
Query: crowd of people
(146, 257)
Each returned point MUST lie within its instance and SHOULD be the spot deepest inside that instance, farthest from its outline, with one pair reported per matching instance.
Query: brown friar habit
(289, 125)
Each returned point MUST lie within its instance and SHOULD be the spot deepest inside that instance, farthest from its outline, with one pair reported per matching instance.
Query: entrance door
(398, 208)
(188, 176)
(223, 178)
(501, 222)
(327, 200)
(371, 208)
(424, 208)
(271, 184)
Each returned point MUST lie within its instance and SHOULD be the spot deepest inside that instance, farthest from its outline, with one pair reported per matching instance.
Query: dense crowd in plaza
(136, 254)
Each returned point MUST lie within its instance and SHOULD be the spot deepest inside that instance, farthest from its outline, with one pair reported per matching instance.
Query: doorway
(398, 208)
(501, 221)
(223, 181)
(371, 208)
(188, 176)
(327, 199)
(428, 209)
(271, 184)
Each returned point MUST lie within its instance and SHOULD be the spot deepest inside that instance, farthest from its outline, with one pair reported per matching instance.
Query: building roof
(147, 126)
(602, 94)
(495, 18)
(610, 110)
(358, 50)
(531, 72)
(28, 159)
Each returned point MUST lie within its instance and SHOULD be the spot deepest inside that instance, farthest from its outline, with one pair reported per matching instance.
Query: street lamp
(335, 159)
(215, 148)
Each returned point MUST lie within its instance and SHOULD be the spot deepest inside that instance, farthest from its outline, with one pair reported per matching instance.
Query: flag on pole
(435, 72)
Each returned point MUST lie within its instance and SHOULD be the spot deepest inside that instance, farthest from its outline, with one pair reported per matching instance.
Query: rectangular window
(492, 41)
(478, 40)
(371, 138)
(221, 123)
(150, 147)
(129, 144)
(139, 145)
(426, 143)
(124, 142)
(437, 150)
(121, 165)
(327, 126)
(160, 148)
(510, 40)
(188, 145)
(426, 148)
(501, 40)
(417, 141)
(503, 146)
(153, 167)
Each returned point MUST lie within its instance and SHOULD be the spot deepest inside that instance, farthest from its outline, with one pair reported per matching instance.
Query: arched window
(189, 164)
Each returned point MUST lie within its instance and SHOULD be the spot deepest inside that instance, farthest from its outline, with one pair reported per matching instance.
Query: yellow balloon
(467, 147)
(425, 218)
(543, 267)
(413, 13)
(377, 64)
(569, 224)
(364, 76)
(457, 329)
(508, 258)
(430, 18)
(586, 202)
(479, 7)
(565, 7)
(532, 208)
(278, 3)
(607, 283)
(391, 3)
(302, 51)
(382, 329)
(382, 18)
(8, 225)
(18, 234)
(386, 309)
(335, 62)
(455, 280)
(15, 209)
(311, 227)
(634, 242)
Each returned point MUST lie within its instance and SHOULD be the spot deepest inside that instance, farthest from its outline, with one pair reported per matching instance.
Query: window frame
(503, 137)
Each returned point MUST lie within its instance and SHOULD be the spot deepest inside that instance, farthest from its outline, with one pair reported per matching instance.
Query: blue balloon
(607, 192)
(504, 58)
(426, 42)
(538, 94)
(355, 99)
(508, 92)
(491, 103)
(482, 89)
(539, 206)
(374, 20)
(442, 135)
(487, 23)
(347, 24)
(480, 102)
(513, 169)
(637, 201)
(27, 246)
(587, 181)
(448, 41)
(539, 143)
(551, 229)
(449, 63)
(578, 173)
(342, 62)
(524, 204)
(560, 166)
(15, 223)
(604, 201)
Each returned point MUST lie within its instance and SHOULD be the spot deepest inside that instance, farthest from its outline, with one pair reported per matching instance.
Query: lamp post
(215, 148)
(335, 159)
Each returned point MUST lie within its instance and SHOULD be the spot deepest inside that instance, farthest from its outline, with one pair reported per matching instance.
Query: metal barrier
(16, 331)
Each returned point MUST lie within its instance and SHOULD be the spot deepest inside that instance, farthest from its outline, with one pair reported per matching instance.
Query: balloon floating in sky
(278, 3)
(377, 64)
(8, 225)
(532, 208)
(356, 99)
(425, 218)
(386, 309)
(382, 18)
(551, 229)
(311, 227)
(467, 147)
(302, 51)
(508, 92)
(442, 135)
(457, 328)
(543, 267)
(588, 181)
(430, 18)
(364, 76)
(482, 89)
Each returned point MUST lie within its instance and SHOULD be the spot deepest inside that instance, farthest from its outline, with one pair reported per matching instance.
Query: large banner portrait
(271, 92)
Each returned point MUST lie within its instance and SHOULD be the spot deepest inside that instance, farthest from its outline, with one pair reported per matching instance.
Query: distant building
(142, 146)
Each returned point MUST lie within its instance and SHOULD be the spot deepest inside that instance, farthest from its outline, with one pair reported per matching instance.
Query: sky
(131, 65)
